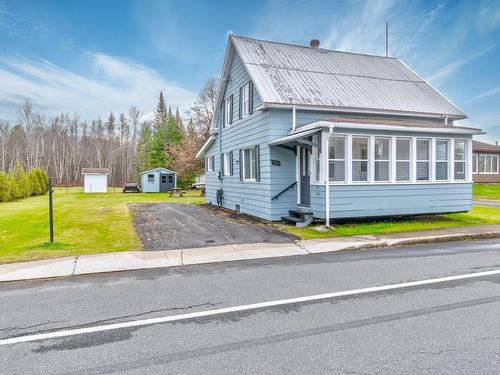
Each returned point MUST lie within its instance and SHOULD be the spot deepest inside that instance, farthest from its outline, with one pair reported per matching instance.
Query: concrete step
(302, 214)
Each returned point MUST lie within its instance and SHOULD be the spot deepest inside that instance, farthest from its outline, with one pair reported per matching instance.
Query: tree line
(126, 144)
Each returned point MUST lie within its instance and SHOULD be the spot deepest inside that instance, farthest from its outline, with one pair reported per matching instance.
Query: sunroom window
(423, 159)
(403, 147)
(459, 153)
(336, 158)
(382, 157)
(360, 159)
(442, 155)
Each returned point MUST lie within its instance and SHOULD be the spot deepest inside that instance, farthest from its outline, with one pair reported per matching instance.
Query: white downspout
(294, 123)
(327, 179)
(446, 120)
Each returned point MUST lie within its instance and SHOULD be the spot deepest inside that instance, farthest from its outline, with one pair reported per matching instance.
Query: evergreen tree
(161, 112)
(23, 181)
(5, 187)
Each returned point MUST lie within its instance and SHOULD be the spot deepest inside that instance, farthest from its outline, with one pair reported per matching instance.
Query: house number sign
(276, 163)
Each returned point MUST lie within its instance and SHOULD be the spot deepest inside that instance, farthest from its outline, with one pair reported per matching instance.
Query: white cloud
(486, 94)
(449, 69)
(114, 84)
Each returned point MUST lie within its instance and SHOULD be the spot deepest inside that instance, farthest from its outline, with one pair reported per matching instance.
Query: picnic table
(176, 191)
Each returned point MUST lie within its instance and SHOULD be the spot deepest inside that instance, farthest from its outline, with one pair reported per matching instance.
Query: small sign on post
(51, 214)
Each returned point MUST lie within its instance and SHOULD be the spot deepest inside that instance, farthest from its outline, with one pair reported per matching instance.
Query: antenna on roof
(387, 39)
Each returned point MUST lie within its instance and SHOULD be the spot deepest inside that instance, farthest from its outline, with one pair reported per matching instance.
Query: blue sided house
(302, 132)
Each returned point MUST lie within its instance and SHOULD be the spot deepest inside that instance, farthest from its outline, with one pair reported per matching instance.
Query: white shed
(95, 180)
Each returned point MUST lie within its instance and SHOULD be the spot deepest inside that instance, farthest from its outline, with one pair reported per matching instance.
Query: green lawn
(84, 223)
(486, 191)
(476, 216)
(96, 223)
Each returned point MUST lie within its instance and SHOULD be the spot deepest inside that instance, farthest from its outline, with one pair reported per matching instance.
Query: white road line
(255, 306)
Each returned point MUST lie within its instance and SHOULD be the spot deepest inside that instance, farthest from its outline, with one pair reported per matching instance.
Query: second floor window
(228, 111)
(246, 100)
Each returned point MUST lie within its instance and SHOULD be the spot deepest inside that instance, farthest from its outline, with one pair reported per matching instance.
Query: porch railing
(284, 191)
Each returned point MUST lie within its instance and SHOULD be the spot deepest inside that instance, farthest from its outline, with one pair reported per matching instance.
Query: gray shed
(158, 180)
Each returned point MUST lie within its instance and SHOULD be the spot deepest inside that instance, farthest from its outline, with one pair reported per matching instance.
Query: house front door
(304, 176)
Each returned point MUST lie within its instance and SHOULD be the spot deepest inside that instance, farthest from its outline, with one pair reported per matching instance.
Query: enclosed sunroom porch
(354, 170)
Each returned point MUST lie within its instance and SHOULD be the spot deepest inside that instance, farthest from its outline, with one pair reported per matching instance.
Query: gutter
(264, 106)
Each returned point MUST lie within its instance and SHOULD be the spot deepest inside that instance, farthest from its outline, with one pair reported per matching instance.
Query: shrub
(35, 182)
(15, 191)
(5, 187)
(23, 181)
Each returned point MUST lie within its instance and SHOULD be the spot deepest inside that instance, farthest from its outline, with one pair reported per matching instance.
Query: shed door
(167, 182)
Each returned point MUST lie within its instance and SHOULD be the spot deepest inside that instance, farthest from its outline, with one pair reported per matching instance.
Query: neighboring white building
(95, 180)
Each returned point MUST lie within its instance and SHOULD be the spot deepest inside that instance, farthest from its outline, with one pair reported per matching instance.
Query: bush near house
(20, 184)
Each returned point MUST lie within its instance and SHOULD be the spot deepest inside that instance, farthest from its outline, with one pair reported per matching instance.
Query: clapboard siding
(384, 200)
(253, 197)
(346, 201)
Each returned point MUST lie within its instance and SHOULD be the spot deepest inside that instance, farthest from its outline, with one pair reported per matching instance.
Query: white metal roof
(165, 170)
(286, 74)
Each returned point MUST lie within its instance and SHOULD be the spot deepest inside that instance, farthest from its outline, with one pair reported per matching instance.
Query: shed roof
(486, 147)
(96, 171)
(286, 74)
(165, 170)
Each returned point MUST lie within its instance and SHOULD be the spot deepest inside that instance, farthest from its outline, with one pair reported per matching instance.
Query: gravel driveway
(168, 226)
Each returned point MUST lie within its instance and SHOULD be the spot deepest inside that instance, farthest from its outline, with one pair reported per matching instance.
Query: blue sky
(90, 57)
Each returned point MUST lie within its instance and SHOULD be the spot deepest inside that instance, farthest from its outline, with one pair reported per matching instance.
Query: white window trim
(413, 140)
(346, 156)
(464, 161)
(227, 164)
(432, 156)
(210, 166)
(369, 160)
(396, 160)
(242, 165)
(227, 112)
(245, 99)
(486, 155)
(388, 161)
(447, 160)
(475, 165)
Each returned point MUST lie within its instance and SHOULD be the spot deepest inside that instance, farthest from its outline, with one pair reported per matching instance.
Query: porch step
(300, 213)
(300, 218)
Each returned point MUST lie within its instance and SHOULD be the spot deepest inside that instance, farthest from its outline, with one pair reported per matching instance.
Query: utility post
(51, 214)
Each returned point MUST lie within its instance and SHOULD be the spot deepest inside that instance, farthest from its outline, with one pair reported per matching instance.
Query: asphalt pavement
(444, 327)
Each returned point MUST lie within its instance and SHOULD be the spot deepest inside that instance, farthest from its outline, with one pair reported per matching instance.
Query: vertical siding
(150, 187)
(385, 200)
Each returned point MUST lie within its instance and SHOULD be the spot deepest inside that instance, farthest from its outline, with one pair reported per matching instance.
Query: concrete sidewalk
(133, 260)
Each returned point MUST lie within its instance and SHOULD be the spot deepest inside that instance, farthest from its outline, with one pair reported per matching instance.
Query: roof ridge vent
(314, 43)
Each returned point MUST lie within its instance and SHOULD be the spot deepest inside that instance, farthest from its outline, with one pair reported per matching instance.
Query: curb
(379, 243)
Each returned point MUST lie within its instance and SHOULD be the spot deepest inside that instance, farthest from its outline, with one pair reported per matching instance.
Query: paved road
(448, 327)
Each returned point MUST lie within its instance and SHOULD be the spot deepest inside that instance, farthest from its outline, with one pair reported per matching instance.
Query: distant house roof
(486, 147)
(164, 170)
(96, 171)
(286, 74)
